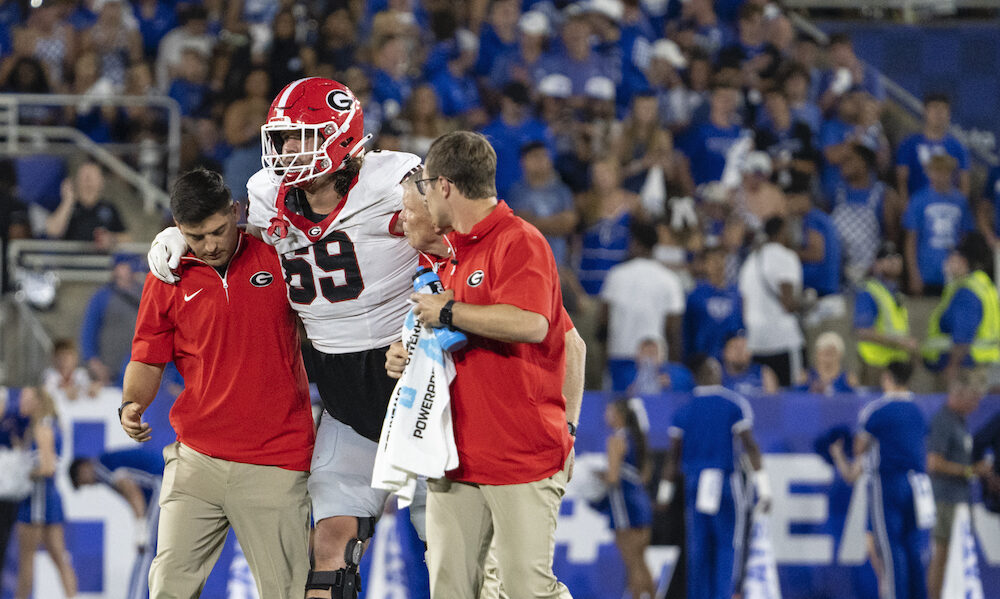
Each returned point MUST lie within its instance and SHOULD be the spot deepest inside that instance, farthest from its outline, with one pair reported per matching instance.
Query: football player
(331, 210)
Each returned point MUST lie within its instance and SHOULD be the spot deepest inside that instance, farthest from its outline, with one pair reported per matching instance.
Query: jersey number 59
(334, 286)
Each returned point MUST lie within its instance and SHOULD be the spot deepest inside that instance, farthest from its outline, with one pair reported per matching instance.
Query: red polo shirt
(235, 341)
(506, 399)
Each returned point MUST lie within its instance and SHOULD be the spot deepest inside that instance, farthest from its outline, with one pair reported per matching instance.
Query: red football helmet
(329, 124)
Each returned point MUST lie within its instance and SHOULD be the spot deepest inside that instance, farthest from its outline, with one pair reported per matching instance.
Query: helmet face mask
(326, 120)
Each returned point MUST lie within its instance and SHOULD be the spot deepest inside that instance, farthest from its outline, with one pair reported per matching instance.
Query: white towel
(417, 436)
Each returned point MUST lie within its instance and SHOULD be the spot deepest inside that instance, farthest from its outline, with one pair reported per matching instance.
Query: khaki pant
(520, 520)
(202, 497)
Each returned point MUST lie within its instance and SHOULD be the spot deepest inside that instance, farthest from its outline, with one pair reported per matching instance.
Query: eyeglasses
(424, 184)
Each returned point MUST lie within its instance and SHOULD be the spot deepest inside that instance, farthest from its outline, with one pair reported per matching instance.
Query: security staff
(964, 329)
(881, 321)
(703, 436)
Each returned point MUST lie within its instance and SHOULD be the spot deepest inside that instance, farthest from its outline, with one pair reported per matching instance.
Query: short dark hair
(531, 146)
(74, 470)
(63, 344)
(840, 38)
(467, 160)
(900, 371)
(800, 183)
(517, 92)
(719, 83)
(937, 97)
(749, 11)
(643, 234)
(701, 369)
(773, 226)
(976, 251)
(197, 195)
(866, 154)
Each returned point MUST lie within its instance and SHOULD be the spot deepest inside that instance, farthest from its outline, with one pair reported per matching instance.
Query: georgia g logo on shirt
(475, 279)
(261, 279)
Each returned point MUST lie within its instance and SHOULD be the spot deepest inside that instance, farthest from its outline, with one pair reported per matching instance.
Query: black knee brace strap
(342, 584)
(346, 582)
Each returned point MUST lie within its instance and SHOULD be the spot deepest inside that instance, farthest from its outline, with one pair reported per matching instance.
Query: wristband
(762, 484)
(445, 315)
(572, 429)
(970, 473)
(665, 492)
(122, 407)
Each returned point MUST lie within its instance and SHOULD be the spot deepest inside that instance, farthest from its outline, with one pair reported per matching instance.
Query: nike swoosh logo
(188, 298)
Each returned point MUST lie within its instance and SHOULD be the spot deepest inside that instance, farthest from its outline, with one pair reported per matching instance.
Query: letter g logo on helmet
(340, 100)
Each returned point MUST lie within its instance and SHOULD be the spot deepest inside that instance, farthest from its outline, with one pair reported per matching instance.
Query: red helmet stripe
(279, 106)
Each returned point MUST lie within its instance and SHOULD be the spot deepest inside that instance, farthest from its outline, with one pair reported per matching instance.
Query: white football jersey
(348, 277)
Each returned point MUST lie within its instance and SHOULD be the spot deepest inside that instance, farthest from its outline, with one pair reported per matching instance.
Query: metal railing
(25, 347)
(17, 138)
(899, 94)
(25, 343)
(70, 261)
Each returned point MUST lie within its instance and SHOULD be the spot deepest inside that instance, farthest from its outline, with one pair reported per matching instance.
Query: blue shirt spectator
(498, 36)
(847, 71)
(936, 221)
(457, 91)
(706, 146)
(190, 88)
(822, 275)
(575, 58)
(109, 322)
(840, 384)
(514, 128)
(834, 132)
(155, 19)
(960, 320)
(668, 376)
(917, 149)
(749, 381)
(391, 87)
(542, 199)
(714, 310)
(869, 82)
(713, 315)
(190, 95)
(605, 244)
(934, 139)
(388, 89)
(626, 48)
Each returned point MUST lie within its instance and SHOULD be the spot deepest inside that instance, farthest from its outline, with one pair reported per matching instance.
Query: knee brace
(342, 584)
(346, 582)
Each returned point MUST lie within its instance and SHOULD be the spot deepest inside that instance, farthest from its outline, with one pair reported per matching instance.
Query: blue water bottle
(427, 281)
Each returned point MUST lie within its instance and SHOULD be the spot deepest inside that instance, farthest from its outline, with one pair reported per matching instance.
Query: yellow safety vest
(892, 319)
(985, 347)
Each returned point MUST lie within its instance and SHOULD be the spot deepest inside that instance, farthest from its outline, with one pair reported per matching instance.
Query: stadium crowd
(697, 122)
(711, 183)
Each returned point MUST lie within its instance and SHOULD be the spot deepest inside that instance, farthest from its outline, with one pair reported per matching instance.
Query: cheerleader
(40, 516)
(626, 501)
